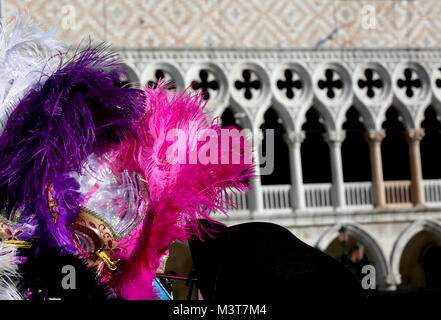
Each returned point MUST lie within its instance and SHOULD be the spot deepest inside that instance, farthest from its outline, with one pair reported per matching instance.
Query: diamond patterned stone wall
(241, 24)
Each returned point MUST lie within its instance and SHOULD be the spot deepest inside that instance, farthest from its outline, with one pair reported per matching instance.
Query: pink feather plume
(182, 186)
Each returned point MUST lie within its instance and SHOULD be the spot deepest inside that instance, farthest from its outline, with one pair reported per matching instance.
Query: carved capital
(414, 135)
(334, 137)
(375, 136)
(293, 138)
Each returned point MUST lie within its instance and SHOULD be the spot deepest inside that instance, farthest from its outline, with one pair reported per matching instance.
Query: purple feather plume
(79, 109)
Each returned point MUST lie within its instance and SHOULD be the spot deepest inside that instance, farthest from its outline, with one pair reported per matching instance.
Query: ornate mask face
(110, 217)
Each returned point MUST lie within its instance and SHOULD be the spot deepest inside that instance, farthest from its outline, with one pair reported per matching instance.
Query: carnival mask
(114, 206)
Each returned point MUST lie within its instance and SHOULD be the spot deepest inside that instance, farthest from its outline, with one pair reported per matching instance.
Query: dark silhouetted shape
(266, 262)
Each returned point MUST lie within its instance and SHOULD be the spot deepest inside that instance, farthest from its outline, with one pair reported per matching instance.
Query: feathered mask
(157, 185)
(79, 109)
(111, 173)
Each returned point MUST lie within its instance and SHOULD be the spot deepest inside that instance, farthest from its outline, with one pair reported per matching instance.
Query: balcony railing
(432, 192)
(318, 195)
(358, 194)
(238, 198)
(398, 193)
(276, 197)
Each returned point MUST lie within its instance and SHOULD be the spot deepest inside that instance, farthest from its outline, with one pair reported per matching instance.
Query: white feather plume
(25, 50)
(8, 273)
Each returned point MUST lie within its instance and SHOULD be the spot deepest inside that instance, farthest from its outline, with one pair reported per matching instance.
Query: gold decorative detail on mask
(52, 202)
(112, 265)
(18, 243)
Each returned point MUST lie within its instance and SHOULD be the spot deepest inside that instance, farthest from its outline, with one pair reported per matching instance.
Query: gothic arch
(357, 232)
(240, 113)
(365, 113)
(411, 91)
(355, 154)
(405, 114)
(419, 115)
(282, 111)
(394, 147)
(314, 150)
(325, 113)
(431, 226)
(372, 86)
(431, 141)
(280, 153)
(435, 106)
(436, 103)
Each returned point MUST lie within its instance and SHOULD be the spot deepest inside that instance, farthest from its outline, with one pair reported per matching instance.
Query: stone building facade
(352, 89)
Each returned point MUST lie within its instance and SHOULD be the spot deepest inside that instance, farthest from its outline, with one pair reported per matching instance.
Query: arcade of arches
(356, 135)
(393, 159)
(395, 162)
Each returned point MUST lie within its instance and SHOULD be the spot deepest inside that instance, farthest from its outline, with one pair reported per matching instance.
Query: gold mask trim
(111, 265)
(18, 243)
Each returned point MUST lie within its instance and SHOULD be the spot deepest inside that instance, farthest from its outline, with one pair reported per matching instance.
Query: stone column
(294, 141)
(374, 138)
(334, 139)
(413, 137)
(256, 194)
